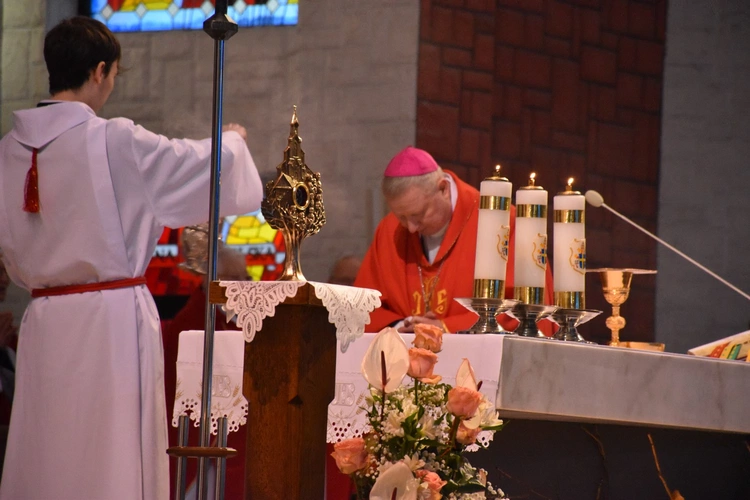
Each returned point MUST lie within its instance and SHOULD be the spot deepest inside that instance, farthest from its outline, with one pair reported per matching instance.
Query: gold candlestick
(616, 288)
(294, 202)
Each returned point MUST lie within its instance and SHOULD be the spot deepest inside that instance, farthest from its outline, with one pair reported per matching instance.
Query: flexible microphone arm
(596, 200)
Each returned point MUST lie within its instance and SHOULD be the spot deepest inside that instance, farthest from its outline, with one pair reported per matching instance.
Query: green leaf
(470, 488)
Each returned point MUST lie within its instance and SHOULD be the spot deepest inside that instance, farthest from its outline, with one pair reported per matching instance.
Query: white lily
(399, 478)
(486, 416)
(427, 423)
(414, 462)
(396, 354)
(392, 425)
(465, 376)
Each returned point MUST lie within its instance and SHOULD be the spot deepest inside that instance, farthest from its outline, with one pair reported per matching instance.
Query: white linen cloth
(89, 416)
(348, 307)
(227, 399)
(346, 419)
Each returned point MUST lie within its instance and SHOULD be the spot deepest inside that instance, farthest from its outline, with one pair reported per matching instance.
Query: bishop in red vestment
(422, 256)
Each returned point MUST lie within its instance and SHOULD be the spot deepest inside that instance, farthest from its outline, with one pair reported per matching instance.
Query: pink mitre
(409, 162)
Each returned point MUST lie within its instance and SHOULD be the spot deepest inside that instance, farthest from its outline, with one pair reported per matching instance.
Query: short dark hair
(74, 48)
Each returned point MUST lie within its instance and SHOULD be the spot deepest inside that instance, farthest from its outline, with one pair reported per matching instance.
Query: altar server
(422, 256)
(83, 201)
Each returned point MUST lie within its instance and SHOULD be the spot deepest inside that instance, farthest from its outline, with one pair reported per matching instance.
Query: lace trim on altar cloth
(226, 383)
(252, 301)
(341, 427)
(348, 307)
(235, 409)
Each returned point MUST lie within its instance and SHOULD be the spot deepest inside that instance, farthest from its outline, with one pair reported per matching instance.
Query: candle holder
(616, 288)
(569, 319)
(530, 243)
(570, 248)
(528, 315)
(487, 309)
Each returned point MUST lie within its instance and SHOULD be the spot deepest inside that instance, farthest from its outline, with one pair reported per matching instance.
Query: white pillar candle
(531, 243)
(493, 232)
(569, 248)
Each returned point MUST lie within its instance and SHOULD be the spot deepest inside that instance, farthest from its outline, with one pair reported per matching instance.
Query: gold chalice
(616, 288)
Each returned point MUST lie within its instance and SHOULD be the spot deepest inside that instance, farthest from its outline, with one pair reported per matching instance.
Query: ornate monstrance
(294, 202)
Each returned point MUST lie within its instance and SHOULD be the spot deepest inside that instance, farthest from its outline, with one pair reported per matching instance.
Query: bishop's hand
(430, 319)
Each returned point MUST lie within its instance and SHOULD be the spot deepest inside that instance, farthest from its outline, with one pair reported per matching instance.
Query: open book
(733, 347)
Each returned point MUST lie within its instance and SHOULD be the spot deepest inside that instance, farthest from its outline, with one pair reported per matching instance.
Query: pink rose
(466, 436)
(421, 364)
(463, 402)
(350, 455)
(433, 482)
(428, 337)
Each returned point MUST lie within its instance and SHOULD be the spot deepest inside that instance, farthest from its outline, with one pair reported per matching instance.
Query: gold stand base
(529, 294)
(570, 300)
(489, 289)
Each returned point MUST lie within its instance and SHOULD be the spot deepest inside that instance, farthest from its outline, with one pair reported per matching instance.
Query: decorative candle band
(529, 294)
(570, 300)
(537, 211)
(494, 202)
(489, 289)
(572, 216)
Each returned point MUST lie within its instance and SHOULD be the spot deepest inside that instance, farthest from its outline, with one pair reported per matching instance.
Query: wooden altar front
(289, 376)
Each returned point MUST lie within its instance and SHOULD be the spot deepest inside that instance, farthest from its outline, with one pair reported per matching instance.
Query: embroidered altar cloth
(226, 383)
(346, 419)
(348, 307)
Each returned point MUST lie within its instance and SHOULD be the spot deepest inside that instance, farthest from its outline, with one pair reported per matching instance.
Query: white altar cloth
(348, 307)
(226, 381)
(345, 419)
(552, 380)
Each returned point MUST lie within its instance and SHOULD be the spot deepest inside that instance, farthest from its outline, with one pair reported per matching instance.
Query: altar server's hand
(430, 319)
(235, 127)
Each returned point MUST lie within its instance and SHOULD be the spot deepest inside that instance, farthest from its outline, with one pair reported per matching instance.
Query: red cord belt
(89, 287)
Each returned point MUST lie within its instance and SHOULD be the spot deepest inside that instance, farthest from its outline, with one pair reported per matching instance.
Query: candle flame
(570, 184)
(497, 168)
(532, 178)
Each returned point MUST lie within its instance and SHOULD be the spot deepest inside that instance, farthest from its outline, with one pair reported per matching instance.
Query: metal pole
(220, 28)
(221, 463)
(182, 440)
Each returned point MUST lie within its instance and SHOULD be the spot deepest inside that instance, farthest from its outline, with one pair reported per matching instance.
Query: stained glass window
(166, 15)
(262, 245)
(249, 234)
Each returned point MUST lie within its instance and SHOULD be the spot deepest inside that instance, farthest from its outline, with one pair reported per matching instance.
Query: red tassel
(31, 192)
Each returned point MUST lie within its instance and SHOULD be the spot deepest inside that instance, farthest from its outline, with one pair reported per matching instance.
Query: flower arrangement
(414, 446)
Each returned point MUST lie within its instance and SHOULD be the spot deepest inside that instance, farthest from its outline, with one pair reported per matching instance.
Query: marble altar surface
(552, 380)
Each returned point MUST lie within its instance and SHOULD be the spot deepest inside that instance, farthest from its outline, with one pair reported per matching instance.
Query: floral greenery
(427, 427)
(418, 426)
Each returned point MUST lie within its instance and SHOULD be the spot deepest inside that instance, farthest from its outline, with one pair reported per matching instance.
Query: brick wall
(563, 89)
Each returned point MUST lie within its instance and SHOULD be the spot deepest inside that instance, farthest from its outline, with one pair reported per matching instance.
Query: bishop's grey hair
(395, 186)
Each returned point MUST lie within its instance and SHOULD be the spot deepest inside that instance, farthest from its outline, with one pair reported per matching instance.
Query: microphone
(596, 200)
